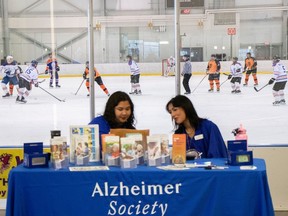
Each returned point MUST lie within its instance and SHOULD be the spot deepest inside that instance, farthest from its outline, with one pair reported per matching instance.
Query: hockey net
(166, 69)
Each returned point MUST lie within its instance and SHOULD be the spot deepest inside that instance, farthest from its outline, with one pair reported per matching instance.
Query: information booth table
(141, 191)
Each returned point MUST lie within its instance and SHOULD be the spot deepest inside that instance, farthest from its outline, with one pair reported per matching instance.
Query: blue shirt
(207, 140)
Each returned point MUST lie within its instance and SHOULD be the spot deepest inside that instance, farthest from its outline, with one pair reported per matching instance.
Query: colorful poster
(10, 157)
(84, 141)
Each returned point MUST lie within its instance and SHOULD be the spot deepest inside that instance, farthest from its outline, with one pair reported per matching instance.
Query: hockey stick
(80, 86)
(200, 82)
(224, 82)
(257, 90)
(51, 94)
(41, 81)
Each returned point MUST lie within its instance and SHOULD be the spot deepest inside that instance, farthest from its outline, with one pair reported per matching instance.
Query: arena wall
(122, 69)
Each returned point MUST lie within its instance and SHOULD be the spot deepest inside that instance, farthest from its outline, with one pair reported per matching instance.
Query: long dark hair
(109, 113)
(189, 109)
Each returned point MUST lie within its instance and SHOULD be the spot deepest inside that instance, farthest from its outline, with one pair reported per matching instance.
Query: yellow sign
(9, 158)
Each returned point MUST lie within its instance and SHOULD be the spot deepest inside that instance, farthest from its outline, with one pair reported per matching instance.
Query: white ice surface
(31, 122)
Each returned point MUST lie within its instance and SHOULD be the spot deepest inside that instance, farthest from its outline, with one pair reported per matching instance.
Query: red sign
(231, 31)
(185, 11)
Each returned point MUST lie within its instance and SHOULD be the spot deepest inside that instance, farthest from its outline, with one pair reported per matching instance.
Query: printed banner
(10, 157)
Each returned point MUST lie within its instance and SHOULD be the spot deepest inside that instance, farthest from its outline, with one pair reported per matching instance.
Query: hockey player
(213, 70)
(30, 75)
(170, 66)
(11, 70)
(135, 76)
(280, 79)
(97, 78)
(250, 67)
(11, 86)
(53, 68)
(235, 76)
(186, 73)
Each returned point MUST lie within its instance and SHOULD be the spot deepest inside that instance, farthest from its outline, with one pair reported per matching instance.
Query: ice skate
(18, 99)
(187, 93)
(276, 103)
(233, 91)
(210, 90)
(133, 92)
(23, 100)
(58, 86)
(237, 91)
(138, 92)
(245, 84)
(51, 86)
(283, 102)
(6, 95)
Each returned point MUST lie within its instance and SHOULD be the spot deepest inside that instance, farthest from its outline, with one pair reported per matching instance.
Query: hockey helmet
(9, 59)
(235, 59)
(129, 57)
(276, 59)
(34, 63)
(87, 63)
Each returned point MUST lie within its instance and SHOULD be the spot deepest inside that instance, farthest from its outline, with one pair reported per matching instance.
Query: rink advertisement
(10, 157)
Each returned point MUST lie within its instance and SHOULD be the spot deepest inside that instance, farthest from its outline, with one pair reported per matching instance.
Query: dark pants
(186, 82)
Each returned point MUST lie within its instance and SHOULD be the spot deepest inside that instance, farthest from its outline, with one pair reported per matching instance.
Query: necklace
(190, 132)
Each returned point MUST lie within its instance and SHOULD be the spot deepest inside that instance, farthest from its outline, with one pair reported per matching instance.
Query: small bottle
(241, 133)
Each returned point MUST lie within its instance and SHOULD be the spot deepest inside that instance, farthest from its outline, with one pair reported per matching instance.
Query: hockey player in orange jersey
(213, 70)
(97, 78)
(250, 68)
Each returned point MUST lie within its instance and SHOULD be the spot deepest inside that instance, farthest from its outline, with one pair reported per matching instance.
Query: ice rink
(31, 122)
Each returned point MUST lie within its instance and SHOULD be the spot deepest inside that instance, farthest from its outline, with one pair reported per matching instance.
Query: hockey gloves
(271, 81)
(229, 76)
(46, 71)
(57, 68)
(84, 76)
(36, 84)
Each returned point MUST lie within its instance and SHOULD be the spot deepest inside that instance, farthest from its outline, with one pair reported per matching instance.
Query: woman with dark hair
(118, 113)
(203, 136)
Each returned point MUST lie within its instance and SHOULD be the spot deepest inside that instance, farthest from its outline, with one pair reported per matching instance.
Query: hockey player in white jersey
(10, 70)
(30, 75)
(235, 76)
(135, 76)
(279, 79)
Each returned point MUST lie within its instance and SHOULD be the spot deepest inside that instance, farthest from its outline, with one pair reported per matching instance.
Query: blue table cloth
(141, 191)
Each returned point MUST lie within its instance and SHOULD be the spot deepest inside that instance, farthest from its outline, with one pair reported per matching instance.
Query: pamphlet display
(139, 149)
(112, 150)
(123, 133)
(165, 152)
(59, 152)
(154, 151)
(84, 146)
(179, 148)
(128, 152)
